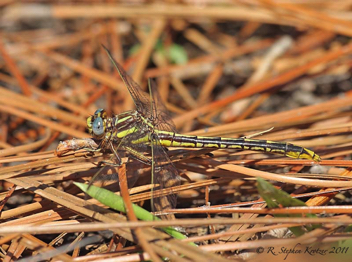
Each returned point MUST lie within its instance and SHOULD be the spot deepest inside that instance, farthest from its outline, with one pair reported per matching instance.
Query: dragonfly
(146, 132)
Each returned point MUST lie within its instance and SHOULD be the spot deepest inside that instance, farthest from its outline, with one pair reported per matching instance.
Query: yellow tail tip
(311, 155)
(316, 158)
(305, 154)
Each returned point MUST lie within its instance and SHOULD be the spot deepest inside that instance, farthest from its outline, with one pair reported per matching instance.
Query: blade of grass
(275, 198)
(116, 202)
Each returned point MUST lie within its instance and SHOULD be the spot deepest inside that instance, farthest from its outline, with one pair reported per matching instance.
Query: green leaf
(348, 242)
(115, 202)
(275, 198)
(177, 54)
(134, 49)
(174, 53)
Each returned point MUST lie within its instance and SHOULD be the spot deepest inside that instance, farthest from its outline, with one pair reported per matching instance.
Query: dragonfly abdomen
(281, 148)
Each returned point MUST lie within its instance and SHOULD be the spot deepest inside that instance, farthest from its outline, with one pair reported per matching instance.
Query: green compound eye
(98, 126)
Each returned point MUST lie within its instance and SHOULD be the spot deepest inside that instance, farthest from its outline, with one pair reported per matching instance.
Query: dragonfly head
(97, 124)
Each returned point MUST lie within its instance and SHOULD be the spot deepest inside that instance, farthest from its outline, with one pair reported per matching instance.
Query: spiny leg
(107, 162)
(119, 161)
(113, 150)
(138, 156)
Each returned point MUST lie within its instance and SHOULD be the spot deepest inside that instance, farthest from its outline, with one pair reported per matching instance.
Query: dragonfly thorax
(102, 127)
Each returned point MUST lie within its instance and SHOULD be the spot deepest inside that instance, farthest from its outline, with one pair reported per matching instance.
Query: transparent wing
(150, 107)
(164, 173)
(140, 99)
(162, 119)
(139, 148)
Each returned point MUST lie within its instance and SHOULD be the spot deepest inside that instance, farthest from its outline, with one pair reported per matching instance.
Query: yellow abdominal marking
(170, 139)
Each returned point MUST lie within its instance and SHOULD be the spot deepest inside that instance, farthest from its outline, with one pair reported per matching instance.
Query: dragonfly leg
(119, 161)
(93, 147)
(138, 156)
(110, 163)
(118, 158)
